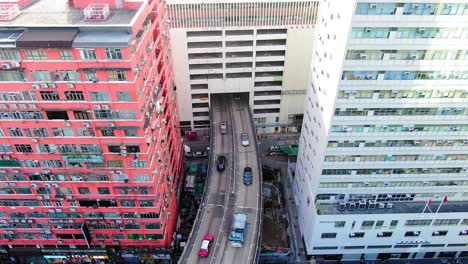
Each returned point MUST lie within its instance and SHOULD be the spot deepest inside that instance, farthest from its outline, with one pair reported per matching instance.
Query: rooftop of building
(57, 13)
(394, 208)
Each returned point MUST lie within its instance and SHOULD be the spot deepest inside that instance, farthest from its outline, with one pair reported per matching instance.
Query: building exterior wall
(247, 56)
(91, 152)
(385, 125)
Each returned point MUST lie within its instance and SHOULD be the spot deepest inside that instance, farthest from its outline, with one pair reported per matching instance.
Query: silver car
(244, 139)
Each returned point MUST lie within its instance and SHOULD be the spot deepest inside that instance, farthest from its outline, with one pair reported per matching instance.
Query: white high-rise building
(385, 135)
(243, 46)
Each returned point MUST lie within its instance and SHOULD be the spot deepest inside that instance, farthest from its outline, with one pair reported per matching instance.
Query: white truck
(223, 127)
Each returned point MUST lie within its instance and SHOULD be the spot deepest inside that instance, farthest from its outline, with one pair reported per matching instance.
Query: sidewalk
(296, 239)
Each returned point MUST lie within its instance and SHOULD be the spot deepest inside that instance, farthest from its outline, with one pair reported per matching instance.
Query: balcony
(83, 157)
(9, 163)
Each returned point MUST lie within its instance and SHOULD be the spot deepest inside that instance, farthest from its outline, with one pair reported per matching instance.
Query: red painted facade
(101, 162)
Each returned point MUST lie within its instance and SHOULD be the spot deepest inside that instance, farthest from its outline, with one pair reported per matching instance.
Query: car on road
(275, 148)
(221, 163)
(247, 176)
(223, 127)
(205, 246)
(245, 139)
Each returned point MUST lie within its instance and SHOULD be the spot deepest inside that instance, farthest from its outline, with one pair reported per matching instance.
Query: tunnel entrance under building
(241, 97)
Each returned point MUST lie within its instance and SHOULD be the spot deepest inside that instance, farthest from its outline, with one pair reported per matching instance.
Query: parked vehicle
(223, 127)
(239, 226)
(245, 139)
(206, 245)
(200, 154)
(221, 163)
(275, 148)
(247, 176)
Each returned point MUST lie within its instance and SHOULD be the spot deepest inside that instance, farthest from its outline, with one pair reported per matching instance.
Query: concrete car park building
(90, 145)
(382, 169)
(250, 47)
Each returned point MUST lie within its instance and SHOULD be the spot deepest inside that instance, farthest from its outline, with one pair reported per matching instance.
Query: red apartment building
(90, 149)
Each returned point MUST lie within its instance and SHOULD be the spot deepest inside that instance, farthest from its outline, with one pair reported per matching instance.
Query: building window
(99, 96)
(339, 224)
(88, 54)
(10, 54)
(83, 190)
(23, 148)
(70, 76)
(91, 75)
(31, 54)
(328, 235)
(115, 163)
(103, 190)
(75, 96)
(41, 76)
(130, 132)
(108, 132)
(124, 96)
(421, 222)
(49, 96)
(384, 234)
(15, 132)
(141, 178)
(114, 54)
(117, 75)
(449, 222)
(412, 233)
(367, 224)
(66, 54)
(439, 233)
(138, 163)
(357, 235)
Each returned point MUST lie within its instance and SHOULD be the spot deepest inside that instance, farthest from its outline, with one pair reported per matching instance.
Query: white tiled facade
(385, 130)
(255, 48)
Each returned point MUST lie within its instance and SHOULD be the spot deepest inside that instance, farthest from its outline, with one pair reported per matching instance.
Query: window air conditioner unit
(47, 185)
(368, 30)
(105, 107)
(413, 56)
(363, 56)
(15, 64)
(70, 85)
(421, 30)
(36, 86)
(86, 124)
(35, 140)
(373, 5)
(428, 6)
(44, 85)
(6, 66)
(415, 6)
(450, 142)
(97, 107)
(52, 85)
(55, 185)
(111, 125)
(33, 185)
(123, 153)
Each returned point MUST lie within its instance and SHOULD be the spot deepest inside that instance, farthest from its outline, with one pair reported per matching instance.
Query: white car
(245, 139)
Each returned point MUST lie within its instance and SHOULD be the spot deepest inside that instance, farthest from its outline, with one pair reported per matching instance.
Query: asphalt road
(226, 193)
